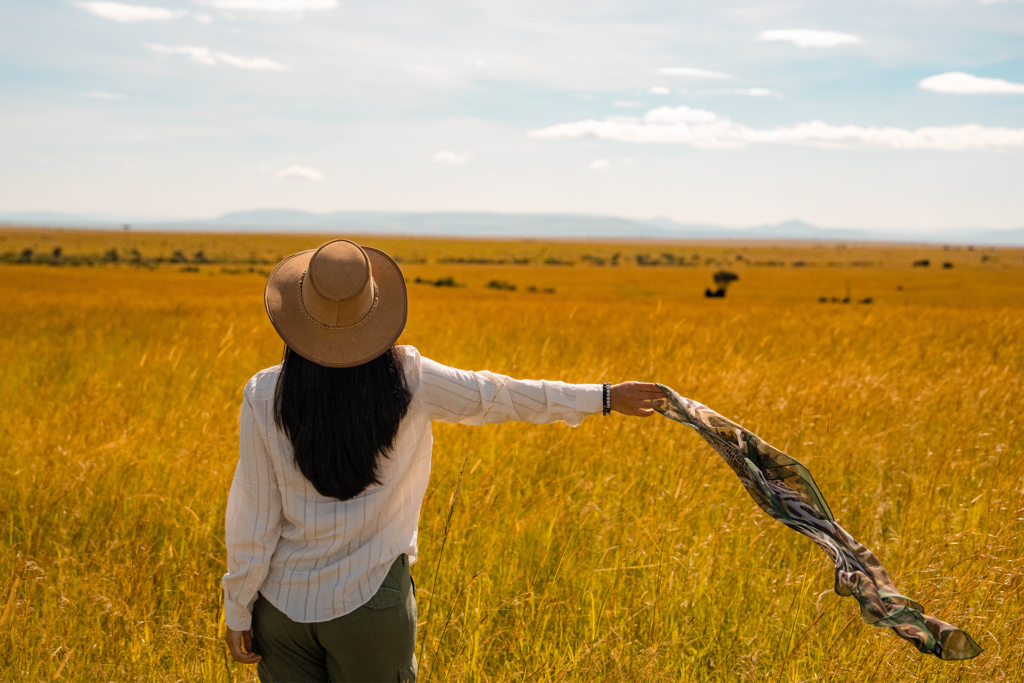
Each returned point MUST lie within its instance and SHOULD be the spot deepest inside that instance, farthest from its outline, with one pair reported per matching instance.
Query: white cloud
(198, 54)
(958, 83)
(295, 172)
(450, 158)
(271, 6)
(659, 90)
(128, 14)
(754, 92)
(700, 128)
(673, 115)
(203, 18)
(103, 95)
(802, 37)
(253, 63)
(692, 72)
(600, 165)
(204, 55)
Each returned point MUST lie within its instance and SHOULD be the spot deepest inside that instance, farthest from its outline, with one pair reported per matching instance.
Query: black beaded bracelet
(606, 392)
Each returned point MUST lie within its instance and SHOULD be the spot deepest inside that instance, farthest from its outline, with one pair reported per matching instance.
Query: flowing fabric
(784, 489)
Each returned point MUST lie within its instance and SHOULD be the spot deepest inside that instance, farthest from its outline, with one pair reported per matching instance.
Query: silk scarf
(785, 490)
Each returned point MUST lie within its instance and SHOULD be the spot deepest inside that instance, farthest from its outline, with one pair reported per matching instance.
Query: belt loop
(405, 560)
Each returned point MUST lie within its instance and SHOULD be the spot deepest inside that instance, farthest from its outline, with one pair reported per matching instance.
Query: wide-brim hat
(339, 305)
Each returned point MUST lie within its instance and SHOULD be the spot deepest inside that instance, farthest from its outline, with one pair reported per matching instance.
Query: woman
(333, 463)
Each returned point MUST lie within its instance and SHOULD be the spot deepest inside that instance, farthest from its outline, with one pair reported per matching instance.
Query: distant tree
(26, 256)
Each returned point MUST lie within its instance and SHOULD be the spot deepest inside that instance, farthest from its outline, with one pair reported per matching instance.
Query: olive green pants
(374, 643)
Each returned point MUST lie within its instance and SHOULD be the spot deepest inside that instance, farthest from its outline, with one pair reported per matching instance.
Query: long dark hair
(341, 421)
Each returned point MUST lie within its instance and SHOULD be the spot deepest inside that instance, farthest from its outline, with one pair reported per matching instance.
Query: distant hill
(482, 224)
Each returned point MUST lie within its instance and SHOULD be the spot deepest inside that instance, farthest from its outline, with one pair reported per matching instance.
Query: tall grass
(621, 550)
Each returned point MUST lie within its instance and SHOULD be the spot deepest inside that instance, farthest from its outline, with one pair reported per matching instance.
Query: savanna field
(622, 550)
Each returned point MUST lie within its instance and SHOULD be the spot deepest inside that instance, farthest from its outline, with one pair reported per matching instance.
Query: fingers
(638, 399)
(236, 641)
(644, 388)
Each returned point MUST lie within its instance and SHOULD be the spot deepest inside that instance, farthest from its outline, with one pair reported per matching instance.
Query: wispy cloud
(600, 165)
(958, 83)
(252, 63)
(295, 172)
(209, 57)
(627, 104)
(271, 6)
(198, 54)
(803, 37)
(753, 92)
(692, 72)
(701, 128)
(660, 90)
(104, 95)
(129, 14)
(449, 158)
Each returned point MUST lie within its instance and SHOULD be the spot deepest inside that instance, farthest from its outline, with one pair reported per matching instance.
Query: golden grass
(621, 550)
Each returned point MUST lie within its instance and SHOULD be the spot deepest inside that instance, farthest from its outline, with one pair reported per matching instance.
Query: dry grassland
(620, 550)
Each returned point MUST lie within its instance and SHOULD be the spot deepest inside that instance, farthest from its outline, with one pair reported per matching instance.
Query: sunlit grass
(621, 550)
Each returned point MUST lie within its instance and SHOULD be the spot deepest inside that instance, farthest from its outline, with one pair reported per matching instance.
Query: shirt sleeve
(252, 525)
(476, 398)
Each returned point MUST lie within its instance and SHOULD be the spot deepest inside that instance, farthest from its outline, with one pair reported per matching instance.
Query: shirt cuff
(589, 399)
(237, 617)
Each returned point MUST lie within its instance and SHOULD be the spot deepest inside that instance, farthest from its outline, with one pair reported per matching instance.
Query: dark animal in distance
(722, 279)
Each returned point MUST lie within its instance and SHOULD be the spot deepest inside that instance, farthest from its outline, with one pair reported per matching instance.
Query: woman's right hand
(240, 646)
(636, 398)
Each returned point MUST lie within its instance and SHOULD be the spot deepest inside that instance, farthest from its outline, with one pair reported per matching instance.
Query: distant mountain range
(507, 225)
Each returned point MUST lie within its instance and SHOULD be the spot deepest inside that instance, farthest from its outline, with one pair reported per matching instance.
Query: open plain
(623, 550)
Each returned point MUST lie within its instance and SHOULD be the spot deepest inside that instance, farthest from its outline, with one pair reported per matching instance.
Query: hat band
(341, 328)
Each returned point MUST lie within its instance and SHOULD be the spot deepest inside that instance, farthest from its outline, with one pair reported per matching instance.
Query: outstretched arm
(476, 398)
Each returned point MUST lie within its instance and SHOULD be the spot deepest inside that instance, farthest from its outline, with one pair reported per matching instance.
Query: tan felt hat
(339, 305)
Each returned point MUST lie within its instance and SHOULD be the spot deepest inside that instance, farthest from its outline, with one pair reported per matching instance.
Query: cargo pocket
(407, 674)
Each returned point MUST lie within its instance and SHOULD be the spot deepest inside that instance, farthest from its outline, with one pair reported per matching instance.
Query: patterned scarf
(784, 489)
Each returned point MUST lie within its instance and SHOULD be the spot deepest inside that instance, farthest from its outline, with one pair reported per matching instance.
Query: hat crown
(337, 289)
(339, 270)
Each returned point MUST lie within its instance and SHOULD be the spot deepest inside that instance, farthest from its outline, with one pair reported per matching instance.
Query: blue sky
(866, 114)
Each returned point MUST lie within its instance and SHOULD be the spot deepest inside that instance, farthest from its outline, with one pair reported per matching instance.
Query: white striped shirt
(317, 558)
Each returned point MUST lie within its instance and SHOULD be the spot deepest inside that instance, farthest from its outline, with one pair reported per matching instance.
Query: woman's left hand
(240, 646)
(636, 398)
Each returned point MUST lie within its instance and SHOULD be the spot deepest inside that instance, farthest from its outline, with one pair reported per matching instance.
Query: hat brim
(333, 348)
